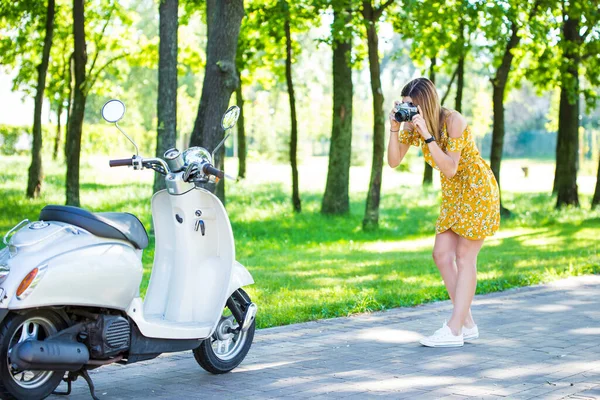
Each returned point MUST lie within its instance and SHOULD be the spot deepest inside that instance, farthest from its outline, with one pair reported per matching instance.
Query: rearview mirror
(113, 111)
(230, 117)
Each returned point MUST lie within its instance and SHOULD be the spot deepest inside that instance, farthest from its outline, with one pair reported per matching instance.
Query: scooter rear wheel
(34, 325)
(224, 351)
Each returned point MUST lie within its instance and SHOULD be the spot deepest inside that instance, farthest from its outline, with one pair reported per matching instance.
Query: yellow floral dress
(470, 200)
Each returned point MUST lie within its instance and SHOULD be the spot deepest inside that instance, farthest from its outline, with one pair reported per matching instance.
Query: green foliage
(437, 28)
(547, 49)
(21, 40)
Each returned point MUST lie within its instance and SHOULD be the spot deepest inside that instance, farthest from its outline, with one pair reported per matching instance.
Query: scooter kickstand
(69, 379)
(87, 378)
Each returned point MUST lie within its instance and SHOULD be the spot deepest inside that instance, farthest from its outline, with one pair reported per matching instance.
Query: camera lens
(402, 115)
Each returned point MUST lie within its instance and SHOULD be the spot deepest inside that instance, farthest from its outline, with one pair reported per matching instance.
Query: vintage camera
(405, 112)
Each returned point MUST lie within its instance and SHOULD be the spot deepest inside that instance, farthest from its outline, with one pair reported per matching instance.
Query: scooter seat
(112, 225)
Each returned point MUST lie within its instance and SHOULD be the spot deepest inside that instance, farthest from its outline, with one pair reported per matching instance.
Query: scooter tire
(9, 389)
(211, 362)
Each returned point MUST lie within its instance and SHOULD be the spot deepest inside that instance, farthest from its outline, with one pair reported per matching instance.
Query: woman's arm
(396, 150)
(446, 162)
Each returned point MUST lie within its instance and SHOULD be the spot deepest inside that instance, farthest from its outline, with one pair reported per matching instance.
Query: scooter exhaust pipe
(49, 355)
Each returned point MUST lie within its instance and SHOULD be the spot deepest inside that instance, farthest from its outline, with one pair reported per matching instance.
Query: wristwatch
(431, 139)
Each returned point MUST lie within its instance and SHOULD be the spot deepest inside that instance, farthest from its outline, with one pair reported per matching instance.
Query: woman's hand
(419, 123)
(394, 125)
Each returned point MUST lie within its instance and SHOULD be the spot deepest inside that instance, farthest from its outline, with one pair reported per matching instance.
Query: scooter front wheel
(16, 328)
(225, 350)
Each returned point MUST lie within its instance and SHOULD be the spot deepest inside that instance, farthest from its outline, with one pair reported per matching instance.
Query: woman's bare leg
(444, 256)
(466, 282)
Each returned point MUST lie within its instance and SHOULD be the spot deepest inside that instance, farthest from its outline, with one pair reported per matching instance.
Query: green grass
(308, 266)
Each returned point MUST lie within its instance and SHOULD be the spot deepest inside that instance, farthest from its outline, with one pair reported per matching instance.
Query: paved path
(537, 342)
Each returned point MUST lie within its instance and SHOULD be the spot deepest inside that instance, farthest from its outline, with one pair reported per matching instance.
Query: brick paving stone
(522, 353)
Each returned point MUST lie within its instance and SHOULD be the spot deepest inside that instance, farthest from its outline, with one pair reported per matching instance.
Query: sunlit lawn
(308, 266)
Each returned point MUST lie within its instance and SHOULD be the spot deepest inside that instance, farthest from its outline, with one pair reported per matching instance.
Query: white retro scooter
(69, 283)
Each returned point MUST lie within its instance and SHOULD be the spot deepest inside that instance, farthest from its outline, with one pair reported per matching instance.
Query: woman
(470, 208)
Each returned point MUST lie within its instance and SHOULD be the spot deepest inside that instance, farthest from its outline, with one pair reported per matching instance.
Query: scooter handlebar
(121, 163)
(210, 170)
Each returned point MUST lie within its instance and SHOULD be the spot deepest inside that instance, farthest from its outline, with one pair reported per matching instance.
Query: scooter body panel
(193, 266)
(75, 268)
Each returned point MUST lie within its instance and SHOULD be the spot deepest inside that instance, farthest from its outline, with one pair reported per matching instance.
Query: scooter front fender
(240, 277)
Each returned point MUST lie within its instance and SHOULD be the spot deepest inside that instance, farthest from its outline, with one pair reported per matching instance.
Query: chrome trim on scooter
(250, 315)
(68, 228)
(6, 241)
(137, 150)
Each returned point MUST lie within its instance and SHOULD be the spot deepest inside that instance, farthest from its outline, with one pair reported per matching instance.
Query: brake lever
(189, 171)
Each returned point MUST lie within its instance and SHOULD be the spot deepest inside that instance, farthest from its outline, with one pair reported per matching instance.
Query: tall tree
(223, 20)
(504, 17)
(596, 198)
(241, 131)
(25, 49)
(250, 55)
(460, 68)
(371, 15)
(266, 41)
(567, 144)
(34, 184)
(336, 199)
(167, 82)
(85, 78)
(292, 98)
(561, 64)
(73, 141)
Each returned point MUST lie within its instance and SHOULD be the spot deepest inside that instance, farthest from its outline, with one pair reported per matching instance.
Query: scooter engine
(109, 335)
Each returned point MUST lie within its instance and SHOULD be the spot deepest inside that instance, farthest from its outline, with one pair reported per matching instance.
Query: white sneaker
(443, 337)
(470, 333)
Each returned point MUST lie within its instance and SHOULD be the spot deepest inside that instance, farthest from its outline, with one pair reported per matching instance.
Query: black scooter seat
(112, 225)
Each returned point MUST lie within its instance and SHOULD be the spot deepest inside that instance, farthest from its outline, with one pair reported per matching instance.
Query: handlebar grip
(121, 163)
(209, 169)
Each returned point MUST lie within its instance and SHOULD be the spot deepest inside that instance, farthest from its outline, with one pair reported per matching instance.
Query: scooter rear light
(30, 281)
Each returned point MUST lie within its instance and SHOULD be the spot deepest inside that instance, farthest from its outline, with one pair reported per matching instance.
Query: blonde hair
(423, 93)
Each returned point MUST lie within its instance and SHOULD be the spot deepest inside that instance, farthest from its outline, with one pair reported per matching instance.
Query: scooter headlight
(4, 268)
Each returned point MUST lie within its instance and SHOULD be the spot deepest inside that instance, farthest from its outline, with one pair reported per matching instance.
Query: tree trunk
(596, 198)
(34, 184)
(224, 18)
(70, 99)
(336, 199)
(460, 83)
(371, 220)
(58, 131)
(567, 145)
(499, 87)
(73, 140)
(428, 171)
(241, 132)
(294, 136)
(167, 83)
(449, 86)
